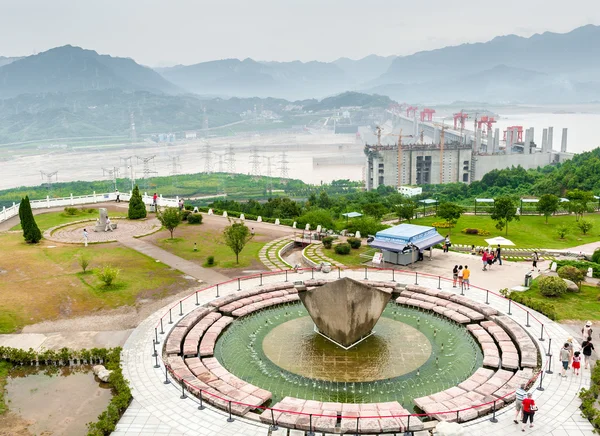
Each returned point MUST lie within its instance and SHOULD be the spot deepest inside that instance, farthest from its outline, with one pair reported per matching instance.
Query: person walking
(484, 258)
(454, 275)
(466, 277)
(490, 259)
(565, 356)
(535, 259)
(447, 243)
(520, 395)
(529, 409)
(118, 200)
(108, 225)
(460, 276)
(586, 331)
(571, 350)
(498, 255)
(85, 237)
(587, 348)
(576, 363)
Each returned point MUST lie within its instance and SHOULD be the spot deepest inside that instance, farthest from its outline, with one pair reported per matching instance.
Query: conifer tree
(137, 208)
(31, 231)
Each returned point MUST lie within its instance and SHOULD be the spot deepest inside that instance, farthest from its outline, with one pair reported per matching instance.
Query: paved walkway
(158, 409)
(73, 233)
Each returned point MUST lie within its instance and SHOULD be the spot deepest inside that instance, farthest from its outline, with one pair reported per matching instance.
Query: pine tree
(137, 208)
(31, 231)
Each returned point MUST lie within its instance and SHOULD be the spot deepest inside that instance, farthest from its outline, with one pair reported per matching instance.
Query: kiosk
(404, 244)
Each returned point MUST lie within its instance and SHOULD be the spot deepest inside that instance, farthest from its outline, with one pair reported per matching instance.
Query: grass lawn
(52, 219)
(352, 259)
(529, 232)
(210, 243)
(583, 305)
(41, 283)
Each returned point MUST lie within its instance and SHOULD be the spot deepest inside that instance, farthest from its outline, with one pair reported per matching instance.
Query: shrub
(562, 231)
(585, 226)
(31, 231)
(314, 218)
(108, 274)
(365, 225)
(188, 207)
(210, 260)
(582, 265)
(71, 211)
(479, 232)
(596, 256)
(547, 309)
(194, 218)
(552, 286)
(84, 262)
(184, 214)
(327, 241)
(354, 242)
(442, 225)
(571, 273)
(342, 248)
(137, 208)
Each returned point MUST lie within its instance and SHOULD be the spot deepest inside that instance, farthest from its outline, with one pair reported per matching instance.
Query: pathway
(158, 408)
(269, 254)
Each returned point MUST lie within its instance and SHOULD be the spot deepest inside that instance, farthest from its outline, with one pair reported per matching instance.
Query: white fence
(47, 203)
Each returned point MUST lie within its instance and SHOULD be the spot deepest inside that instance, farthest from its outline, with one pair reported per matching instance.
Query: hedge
(111, 358)
(589, 396)
(544, 308)
(581, 264)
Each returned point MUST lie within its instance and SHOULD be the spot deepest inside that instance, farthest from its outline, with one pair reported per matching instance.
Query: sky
(170, 32)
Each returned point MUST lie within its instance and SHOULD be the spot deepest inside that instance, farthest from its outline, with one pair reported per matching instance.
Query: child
(576, 362)
(454, 276)
(460, 277)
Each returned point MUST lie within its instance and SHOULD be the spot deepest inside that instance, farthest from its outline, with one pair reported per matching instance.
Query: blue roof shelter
(405, 239)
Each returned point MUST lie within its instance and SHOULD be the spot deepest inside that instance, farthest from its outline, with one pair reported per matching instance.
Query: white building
(410, 191)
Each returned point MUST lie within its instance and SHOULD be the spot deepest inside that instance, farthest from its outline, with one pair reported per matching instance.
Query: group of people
(489, 257)
(571, 358)
(462, 276)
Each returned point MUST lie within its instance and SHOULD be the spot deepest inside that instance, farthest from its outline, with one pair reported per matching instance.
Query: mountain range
(544, 68)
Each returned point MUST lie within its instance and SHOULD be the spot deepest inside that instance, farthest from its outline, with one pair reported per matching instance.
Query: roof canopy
(352, 214)
(398, 237)
(484, 200)
(428, 201)
(530, 200)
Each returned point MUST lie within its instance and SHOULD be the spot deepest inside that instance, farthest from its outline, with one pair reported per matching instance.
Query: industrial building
(408, 150)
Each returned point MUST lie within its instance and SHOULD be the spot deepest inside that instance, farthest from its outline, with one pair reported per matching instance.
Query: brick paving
(158, 409)
(73, 233)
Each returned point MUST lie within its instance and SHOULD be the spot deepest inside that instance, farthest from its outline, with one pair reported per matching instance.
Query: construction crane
(411, 110)
(487, 121)
(460, 118)
(427, 114)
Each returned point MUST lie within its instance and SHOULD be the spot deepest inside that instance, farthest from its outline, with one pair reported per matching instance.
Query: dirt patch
(12, 424)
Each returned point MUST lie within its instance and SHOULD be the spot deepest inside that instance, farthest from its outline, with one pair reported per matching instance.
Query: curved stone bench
(209, 339)
(222, 301)
(245, 310)
(229, 308)
(442, 310)
(463, 301)
(526, 345)
(191, 342)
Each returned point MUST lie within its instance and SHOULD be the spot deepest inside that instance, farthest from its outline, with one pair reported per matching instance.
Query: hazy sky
(167, 32)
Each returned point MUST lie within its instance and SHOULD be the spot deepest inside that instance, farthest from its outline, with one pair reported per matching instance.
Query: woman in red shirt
(484, 259)
(529, 409)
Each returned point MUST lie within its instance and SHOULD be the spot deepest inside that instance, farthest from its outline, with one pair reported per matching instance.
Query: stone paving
(158, 409)
(269, 254)
(73, 233)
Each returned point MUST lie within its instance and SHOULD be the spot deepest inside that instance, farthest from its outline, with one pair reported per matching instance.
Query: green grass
(4, 369)
(43, 283)
(529, 232)
(583, 305)
(46, 221)
(352, 259)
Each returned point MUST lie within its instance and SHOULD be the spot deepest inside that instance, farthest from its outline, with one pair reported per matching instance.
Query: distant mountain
(365, 69)
(349, 99)
(546, 67)
(70, 69)
(6, 61)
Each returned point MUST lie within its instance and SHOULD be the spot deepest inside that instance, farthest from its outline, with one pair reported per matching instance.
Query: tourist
(466, 276)
(498, 252)
(155, 200)
(520, 395)
(587, 348)
(108, 225)
(484, 258)
(571, 350)
(181, 204)
(529, 409)
(118, 200)
(460, 276)
(252, 231)
(565, 356)
(535, 259)
(85, 237)
(473, 250)
(447, 243)
(586, 331)
(454, 275)
(490, 259)
(576, 363)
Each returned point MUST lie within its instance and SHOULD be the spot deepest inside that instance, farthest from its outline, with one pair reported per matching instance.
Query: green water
(450, 357)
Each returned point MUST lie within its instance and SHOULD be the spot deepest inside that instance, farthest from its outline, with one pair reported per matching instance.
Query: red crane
(411, 110)
(460, 118)
(517, 129)
(488, 121)
(427, 114)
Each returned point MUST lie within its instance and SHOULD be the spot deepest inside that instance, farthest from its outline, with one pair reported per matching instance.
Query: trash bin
(527, 283)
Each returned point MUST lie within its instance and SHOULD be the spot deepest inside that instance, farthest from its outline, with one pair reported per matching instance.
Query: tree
(406, 210)
(31, 231)
(237, 236)
(137, 208)
(376, 210)
(170, 218)
(547, 205)
(450, 212)
(562, 231)
(503, 212)
(585, 226)
(579, 202)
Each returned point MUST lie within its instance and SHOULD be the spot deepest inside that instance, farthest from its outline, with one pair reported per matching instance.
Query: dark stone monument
(345, 311)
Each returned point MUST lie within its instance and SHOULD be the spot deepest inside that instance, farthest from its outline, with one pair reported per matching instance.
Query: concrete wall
(485, 164)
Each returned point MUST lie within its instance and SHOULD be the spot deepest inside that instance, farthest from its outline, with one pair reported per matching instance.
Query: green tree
(585, 226)
(579, 202)
(450, 212)
(547, 205)
(137, 208)
(170, 218)
(31, 231)
(503, 212)
(406, 209)
(376, 210)
(236, 237)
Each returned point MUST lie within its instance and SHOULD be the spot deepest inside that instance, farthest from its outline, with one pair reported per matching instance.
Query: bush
(562, 231)
(327, 241)
(194, 218)
(108, 275)
(184, 214)
(552, 286)
(596, 256)
(366, 226)
(137, 208)
(72, 211)
(188, 207)
(442, 225)
(589, 396)
(571, 273)
(479, 232)
(354, 242)
(582, 265)
(585, 226)
(210, 260)
(542, 307)
(342, 248)
(314, 218)
(84, 262)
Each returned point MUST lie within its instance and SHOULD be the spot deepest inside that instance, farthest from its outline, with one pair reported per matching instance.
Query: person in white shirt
(108, 225)
(85, 237)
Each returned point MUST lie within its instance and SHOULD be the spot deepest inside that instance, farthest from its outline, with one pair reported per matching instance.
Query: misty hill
(349, 99)
(365, 69)
(6, 60)
(548, 67)
(69, 69)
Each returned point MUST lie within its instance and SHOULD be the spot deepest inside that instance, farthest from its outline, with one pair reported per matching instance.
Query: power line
(147, 171)
(112, 174)
(128, 168)
(283, 169)
(230, 160)
(207, 156)
(48, 178)
(255, 161)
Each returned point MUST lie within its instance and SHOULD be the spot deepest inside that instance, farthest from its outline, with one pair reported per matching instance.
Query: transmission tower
(112, 174)
(49, 178)
(207, 155)
(175, 169)
(283, 169)
(230, 160)
(128, 168)
(147, 171)
(221, 157)
(255, 161)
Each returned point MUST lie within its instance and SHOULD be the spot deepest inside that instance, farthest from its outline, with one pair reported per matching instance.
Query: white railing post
(4, 213)
(94, 195)
(71, 199)
(48, 201)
